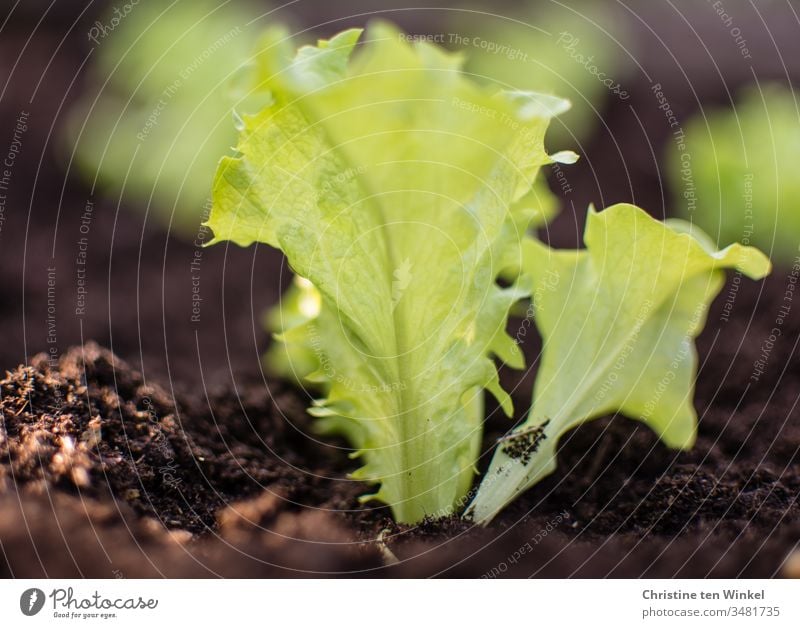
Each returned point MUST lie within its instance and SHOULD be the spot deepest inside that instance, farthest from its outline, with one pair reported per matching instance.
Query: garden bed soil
(103, 475)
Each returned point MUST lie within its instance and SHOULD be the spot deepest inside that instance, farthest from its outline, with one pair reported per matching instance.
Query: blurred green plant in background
(580, 50)
(159, 117)
(741, 183)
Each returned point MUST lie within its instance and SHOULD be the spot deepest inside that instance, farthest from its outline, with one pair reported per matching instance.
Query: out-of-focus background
(114, 114)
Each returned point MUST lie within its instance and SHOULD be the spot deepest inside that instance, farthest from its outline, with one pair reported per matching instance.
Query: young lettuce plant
(296, 355)
(159, 117)
(733, 149)
(618, 322)
(399, 190)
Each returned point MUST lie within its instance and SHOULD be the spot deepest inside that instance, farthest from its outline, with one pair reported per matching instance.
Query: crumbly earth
(104, 475)
(91, 457)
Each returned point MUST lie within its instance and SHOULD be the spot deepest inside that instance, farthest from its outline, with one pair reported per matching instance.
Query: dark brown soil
(94, 445)
(118, 468)
(182, 460)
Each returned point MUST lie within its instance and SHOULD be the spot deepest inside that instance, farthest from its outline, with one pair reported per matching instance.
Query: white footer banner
(496, 603)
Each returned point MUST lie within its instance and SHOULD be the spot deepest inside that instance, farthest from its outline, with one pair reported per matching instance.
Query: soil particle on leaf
(523, 444)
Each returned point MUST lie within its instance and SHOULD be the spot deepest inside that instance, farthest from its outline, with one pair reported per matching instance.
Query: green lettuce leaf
(618, 322)
(294, 356)
(400, 190)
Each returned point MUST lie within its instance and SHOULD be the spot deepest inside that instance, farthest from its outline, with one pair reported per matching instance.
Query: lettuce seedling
(159, 118)
(740, 183)
(296, 354)
(399, 190)
(618, 322)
